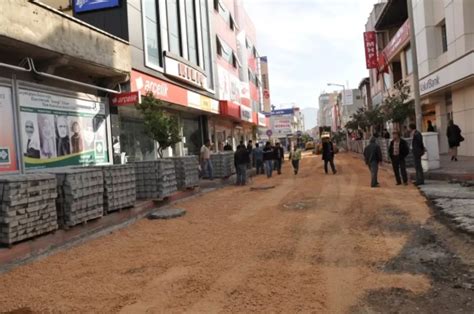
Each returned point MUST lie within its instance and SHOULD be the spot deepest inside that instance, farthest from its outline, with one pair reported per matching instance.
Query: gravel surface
(315, 243)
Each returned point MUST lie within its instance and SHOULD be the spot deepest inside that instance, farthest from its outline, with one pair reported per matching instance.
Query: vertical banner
(59, 131)
(267, 105)
(8, 157)
(370, 44)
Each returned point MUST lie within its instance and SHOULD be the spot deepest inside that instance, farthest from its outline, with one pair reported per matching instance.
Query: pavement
(313, 243)
(460, 170)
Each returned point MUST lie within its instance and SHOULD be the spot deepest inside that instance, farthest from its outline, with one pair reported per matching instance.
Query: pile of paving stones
(80, 195)
(454, 200)
(119, 187)
(187, 171)
(155, 179)
(223, 164)
(27, 206)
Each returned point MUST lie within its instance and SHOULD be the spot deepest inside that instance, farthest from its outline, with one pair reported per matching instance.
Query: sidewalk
(463, 170)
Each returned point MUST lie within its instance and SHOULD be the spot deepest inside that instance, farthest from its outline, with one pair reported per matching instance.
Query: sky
(310, 43)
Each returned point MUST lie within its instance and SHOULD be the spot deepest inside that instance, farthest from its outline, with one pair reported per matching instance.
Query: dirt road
(316, 243)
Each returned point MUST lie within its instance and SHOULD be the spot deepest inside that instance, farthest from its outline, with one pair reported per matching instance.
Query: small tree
(159, 125)
(395, 107)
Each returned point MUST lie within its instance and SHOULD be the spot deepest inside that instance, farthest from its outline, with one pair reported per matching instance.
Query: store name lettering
(158, 89)
(430, 84)
(190, 74)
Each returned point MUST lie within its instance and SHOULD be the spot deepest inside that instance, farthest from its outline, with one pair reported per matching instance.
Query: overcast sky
(310, 43)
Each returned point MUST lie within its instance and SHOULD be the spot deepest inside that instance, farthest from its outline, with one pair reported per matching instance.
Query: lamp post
(342, 98)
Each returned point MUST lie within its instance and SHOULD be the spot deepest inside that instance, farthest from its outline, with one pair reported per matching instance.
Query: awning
(229, 109)
(393, 15)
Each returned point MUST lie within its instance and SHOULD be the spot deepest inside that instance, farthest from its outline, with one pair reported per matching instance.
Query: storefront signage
(185, 73)
(370, 44)
(229, 85)
(265, 84)
(281, 125)
(429, 84)
(125, 99)
(92, 5)
(261, 119)
(202, 102)
(8, 157)
(162, 90)
(59, 131)
(399, 40)
(280, 112)
(245, 114)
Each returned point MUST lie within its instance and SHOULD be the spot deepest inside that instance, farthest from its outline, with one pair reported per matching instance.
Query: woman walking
(454, 139)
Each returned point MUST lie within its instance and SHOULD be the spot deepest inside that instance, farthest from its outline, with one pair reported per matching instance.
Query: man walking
(418, 149)
(206, 164)
(279, 155)
(257, 156)
(328, 153)
(398, 151)
(249, 151)
(241, 160)
(373, 157)
(268, 157)
(295, 157)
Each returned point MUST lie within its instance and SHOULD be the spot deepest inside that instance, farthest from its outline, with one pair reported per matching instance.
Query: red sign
(125, 99)
(402, 36)
(162, 90)
(370, 44)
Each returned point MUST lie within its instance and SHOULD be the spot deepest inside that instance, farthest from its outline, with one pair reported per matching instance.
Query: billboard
(59, 131)
(281, 125)
(92, 5)
(280, 112)
(8, 157)
(267, 104)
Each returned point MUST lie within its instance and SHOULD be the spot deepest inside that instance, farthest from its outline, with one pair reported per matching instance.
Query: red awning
(229, 109)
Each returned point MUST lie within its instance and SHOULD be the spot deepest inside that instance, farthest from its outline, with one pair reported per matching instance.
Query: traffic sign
(269, 133)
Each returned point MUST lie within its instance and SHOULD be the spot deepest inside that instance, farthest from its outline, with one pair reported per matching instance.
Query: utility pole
(416, 80)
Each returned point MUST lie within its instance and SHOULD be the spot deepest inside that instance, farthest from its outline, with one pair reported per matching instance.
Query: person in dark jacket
(328, 154)
(430, 127)
(227, 147)
(398, 151)
(373, 157)
(279, 155)
(268, 157)
(241, 160)
(454, 139)
(257, 157)
(418, 149)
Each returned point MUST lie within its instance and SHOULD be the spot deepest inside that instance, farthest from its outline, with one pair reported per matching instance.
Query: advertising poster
(8, 157)
(281, 125)
(60, 131)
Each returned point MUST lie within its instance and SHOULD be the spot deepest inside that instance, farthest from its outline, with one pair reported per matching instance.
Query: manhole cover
(168, 213)
(301, 204)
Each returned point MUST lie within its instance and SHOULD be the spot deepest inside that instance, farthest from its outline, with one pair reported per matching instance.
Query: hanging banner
(370, 44)
(59, 131)
(8, 157)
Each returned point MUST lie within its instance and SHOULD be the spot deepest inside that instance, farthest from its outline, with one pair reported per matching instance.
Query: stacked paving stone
(27, 206)
(187, 171)
(223, 164)
(119, 187)
(155, 179)
(80, 195)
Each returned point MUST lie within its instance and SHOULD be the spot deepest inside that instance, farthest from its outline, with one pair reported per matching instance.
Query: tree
(159, 125)
(395, 107)
(306, 138)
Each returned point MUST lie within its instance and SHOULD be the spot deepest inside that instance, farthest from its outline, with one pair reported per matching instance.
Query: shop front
(191, 109)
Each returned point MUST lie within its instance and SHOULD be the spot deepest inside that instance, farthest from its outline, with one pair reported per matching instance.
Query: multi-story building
(445, 46)
(56, 75)
(352, 102)
(365, 92)
(329, 113)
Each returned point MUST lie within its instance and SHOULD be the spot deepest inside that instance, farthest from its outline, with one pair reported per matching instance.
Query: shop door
(192, 136)
(136, 145)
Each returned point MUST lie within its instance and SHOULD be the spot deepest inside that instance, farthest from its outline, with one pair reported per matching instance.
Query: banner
(370, 44)
(281, 125)
(59, 131)
(8, 157)
(267, 105)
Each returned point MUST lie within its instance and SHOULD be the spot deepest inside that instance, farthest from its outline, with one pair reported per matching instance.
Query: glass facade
(206, 42)
(191, 26)
(152, 38)
(172, 11)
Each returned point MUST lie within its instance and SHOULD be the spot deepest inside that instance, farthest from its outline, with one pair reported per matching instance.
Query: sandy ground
(315, 243)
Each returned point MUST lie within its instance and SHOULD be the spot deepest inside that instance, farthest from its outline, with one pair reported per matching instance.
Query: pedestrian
(257, 156)
(279, 156)
(228, 147)
(328, 152)
(268, 157)
(295, 157)
(454, 139)
(386, 134)
(205, 157)
(398, 151)
(373, 157)
(406, 132)
(430, 127)
(418, 149)
(241, 160)
(249, 151)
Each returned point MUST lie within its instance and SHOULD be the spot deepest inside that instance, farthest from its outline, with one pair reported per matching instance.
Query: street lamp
(342, 98)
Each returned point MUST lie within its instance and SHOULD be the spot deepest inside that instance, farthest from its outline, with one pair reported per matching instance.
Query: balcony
(60, 44)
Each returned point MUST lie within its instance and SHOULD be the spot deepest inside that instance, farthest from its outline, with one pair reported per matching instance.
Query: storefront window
(134, 142)
(192, 136)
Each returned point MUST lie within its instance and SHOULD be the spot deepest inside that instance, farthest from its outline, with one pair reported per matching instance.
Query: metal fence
(358, 147)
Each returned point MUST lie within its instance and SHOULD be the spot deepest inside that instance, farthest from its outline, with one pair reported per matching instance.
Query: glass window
(444, 37)
(225, 51)
(206, 43)
(224, 13)
(172, 10)
(152, 35)
(408, 61)
(191, 31)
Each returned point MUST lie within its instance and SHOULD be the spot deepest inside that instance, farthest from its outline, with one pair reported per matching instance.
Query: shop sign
(348, 97)
(202, 102)
(265, 83)
(229, 85)
(125, 99)
(245, 114)
(281, 112)
(281, 125)
(60, 131)
(92, 5)
(370, 44)
(162, 90)
(429, 84)
(185, 73)
(402, 36)
(261, 119)
(8, 157)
